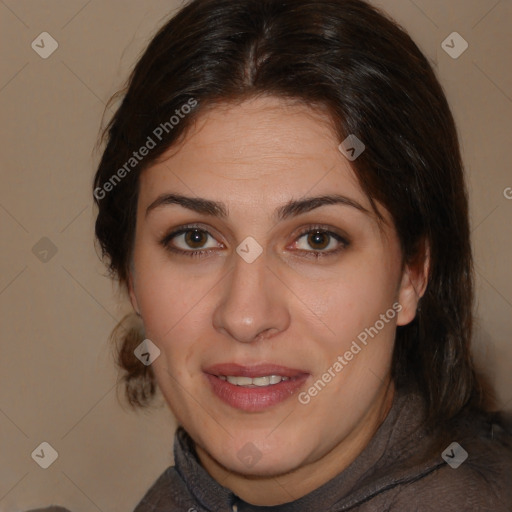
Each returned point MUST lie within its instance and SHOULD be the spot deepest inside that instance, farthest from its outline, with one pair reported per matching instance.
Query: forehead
(260, 147)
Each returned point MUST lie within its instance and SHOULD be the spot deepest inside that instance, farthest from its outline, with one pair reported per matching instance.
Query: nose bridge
(248, 306)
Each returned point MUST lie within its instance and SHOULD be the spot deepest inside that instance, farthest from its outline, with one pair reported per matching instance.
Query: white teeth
(257, 381)
(239, 381)
(261, 381)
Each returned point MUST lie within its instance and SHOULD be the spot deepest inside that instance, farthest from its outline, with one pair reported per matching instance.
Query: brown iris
(316, 238)
(195, 238)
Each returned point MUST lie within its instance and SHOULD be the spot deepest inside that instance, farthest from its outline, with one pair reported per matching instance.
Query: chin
(259, 455)
(268, 466)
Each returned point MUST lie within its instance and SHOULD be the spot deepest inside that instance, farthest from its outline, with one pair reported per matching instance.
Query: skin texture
(286, 307)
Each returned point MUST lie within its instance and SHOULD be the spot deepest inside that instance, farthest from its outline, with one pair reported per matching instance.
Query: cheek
(351, 300)
(176, 308)
(173, 310)
(165, 292)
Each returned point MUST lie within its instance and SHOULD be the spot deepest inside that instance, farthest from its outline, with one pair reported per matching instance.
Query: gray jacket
(398, 471)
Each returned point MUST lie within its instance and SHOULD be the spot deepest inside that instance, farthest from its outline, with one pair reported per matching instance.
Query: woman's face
(252, 295)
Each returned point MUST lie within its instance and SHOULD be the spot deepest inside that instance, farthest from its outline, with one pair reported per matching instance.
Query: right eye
(190, 241)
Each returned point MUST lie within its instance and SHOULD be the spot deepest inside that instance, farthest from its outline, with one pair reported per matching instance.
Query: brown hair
(375, 83)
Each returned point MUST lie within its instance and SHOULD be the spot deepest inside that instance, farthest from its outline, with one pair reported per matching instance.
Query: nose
(253, 303)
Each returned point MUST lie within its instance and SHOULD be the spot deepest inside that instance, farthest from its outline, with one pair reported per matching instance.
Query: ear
(413, 285)
(131, 293)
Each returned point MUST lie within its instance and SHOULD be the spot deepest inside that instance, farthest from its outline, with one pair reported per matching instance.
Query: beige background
(56, 368)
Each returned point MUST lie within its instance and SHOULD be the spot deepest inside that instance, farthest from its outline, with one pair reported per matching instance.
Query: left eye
(320, 240)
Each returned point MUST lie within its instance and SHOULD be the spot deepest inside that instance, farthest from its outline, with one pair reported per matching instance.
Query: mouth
(254, 388)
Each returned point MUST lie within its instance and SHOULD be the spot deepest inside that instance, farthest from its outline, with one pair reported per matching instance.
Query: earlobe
(413, 286)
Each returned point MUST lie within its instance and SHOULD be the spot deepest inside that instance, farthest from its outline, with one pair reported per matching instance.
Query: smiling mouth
(254, 388)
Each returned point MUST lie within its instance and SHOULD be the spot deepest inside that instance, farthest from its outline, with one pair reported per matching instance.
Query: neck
(276, 490)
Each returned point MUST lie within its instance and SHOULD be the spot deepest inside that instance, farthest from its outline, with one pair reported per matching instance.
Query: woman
(282, 195)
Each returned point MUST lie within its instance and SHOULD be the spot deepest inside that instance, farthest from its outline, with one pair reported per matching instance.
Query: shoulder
(453, 490)
(475, 471)
(168, 494)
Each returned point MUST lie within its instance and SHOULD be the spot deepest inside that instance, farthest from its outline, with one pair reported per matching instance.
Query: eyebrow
(292, 208)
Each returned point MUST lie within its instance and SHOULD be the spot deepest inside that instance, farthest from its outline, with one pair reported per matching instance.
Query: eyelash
(344, 243)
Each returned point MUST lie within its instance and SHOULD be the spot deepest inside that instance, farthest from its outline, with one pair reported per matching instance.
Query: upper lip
(253, 371)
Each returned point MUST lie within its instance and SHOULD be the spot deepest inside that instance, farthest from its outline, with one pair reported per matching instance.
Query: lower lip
(257, 398)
